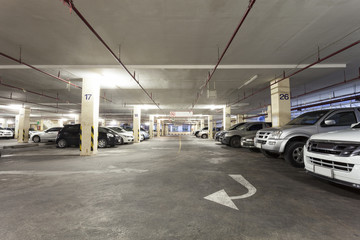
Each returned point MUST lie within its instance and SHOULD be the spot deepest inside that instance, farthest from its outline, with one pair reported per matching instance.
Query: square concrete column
(210, 126)
(136, 124)
(24, 125)
(89, 116)
(226, 118)
(17, 117)
(166, 129)
(163, 128)
(201, 123)
(41, 125)
(197, 126)
(268, 118)
(158, 128)
(151, 126)
(280, 102)
(239, 118)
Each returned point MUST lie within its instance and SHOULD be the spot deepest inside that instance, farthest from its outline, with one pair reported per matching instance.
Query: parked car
(70, 135)
(145, 133)
(335, 156)
(220, 134)
(11, 129)
(125, 136)
(141, 133)
(288, 141)
(6, 133)
(48, 135)
(196, 133)
(248, 142)
(233, 137)
(205, 133)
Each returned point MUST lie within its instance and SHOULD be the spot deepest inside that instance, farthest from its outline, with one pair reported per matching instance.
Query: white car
(48, 135)
(335, 156)
(6, 133)
(126, 136)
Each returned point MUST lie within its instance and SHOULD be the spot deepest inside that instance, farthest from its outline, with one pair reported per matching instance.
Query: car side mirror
(330, 122)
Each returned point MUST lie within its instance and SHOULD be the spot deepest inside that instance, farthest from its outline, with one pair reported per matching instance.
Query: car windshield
(236, 125)
(117, 129)
(309, 118)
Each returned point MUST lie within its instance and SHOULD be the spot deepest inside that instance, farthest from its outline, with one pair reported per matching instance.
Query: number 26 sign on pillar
(284, 96)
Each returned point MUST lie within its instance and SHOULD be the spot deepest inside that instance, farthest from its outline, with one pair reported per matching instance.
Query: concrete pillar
(226, 118)
(201, 123)
(239, 118)
(17, 117)
(24, 124)
(268, 118)
(210, 126)
(89, 116)
(158, 128)
(136, 124)
(151, 126)
(166, 129)
(280, 102)
(163, 128)
(41, 125)
(60, 123)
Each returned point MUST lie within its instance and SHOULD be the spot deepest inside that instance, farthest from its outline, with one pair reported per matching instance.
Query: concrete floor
(156, 190)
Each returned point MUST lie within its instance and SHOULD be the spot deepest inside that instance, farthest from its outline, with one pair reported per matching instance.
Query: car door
(252, 129)
(74, 135)
(51, 134)
(342, 120)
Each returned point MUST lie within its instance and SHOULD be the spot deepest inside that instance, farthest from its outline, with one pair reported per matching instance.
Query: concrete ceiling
(172, 45)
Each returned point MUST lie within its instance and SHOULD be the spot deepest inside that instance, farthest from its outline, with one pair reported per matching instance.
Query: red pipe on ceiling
(72, 7)
(251, 4)
(298, 71)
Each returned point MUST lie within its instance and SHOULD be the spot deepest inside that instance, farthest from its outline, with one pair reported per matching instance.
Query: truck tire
(294, 154)
(269, 154)
(235, 142)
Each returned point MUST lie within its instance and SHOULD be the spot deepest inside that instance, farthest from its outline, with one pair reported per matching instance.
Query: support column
(41, 125)
(24, 125)
(239, 118)
(201, 124)
(17, 118)
(89, 117)
(163, 128)
(210, 126)
(77, 119)
(280, 102)
(197, 126)
(166, 129)
(268, 118)
(151, 126)
(136, 124)
(158, 128)
(226, 118)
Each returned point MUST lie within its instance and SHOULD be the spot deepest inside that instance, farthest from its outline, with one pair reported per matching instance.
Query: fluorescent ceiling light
(249, 81)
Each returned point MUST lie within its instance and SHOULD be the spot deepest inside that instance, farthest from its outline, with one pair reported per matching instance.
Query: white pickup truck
(335, 156)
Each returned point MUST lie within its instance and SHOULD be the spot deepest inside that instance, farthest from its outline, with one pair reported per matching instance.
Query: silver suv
(288, 141)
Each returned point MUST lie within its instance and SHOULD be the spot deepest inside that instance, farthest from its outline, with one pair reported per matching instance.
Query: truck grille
(338, 149)
(262, 137)
(332, 164)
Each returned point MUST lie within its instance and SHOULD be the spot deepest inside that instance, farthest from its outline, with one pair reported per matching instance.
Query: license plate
(328, 172)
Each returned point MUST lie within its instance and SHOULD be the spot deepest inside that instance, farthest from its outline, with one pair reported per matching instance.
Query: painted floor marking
(221, 197)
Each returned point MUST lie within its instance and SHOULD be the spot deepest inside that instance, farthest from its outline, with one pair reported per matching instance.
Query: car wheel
(235, 142)
(269, 154)
(62, 143)
(294, 154)
(102, 143)
(204, 136)
(36, 139)
(121, 141)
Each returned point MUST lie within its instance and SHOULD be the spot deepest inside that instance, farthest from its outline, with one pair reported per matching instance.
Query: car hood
(347, 135)
(126, 134)
(6, 131)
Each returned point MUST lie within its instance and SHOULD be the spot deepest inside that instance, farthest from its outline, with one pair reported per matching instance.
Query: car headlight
(276, 134)
(109, 135)
(249, 140)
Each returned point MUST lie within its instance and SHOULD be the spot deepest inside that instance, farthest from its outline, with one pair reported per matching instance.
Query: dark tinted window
(103, 130)
(235, 126)
(268, 125)
(343, 118)
(72, 128)
(309, 118)
(255, 127)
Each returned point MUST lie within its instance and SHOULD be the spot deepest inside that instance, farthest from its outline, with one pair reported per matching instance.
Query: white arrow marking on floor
(223, 198)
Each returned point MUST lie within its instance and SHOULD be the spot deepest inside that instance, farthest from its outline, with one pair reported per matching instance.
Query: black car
(70, 135)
